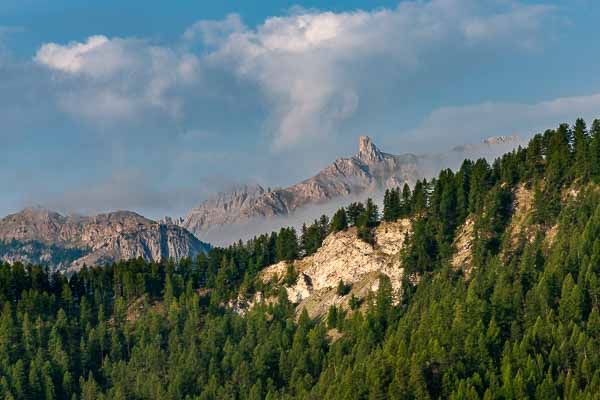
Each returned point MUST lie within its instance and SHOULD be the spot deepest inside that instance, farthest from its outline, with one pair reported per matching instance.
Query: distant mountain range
(45, 237)
(249, 210)
(48, 238)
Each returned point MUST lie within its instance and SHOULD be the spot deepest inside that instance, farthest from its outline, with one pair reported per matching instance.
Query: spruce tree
(354, 210)
(581, 150)
(339, 222)
(405, 201)
(595, 148)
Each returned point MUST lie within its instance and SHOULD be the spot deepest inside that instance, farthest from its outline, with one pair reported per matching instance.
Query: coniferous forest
(523, 322)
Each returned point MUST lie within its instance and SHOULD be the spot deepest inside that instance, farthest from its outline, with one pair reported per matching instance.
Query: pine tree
(354, 210)
(595, 148)
(571, 301)
(332, 317)
(581, 150)
(8, 338)
(354, 302)
(558, 156)
(369, 216)
(463, 181)
(392, 208)
(535, 157)
(287, 245)
(339, 222)
(342, 288)
(479, 185)
(291, 276)
(419, 197)
(406, 201)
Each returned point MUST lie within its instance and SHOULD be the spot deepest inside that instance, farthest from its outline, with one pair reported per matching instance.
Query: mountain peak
(502, 139)
(502, 143)
(367, 151)
(35, 213)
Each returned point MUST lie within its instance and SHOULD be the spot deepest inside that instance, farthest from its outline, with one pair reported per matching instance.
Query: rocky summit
(46, 237)
(368, 171)
(249, 210)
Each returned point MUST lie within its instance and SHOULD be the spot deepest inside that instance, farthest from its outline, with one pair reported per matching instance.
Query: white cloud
(213, 33)
(72, 57)
(449, 126)
(115, 79)
(312, 69)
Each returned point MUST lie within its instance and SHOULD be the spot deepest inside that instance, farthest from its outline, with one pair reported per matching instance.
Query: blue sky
(152, 106)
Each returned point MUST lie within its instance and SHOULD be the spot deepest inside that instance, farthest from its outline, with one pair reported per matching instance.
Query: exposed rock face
(368, 171)
(519, 228)
(463, 243)
(522, 211)
(99, 239)
(242, 213)
(345, 257)
(242, 203)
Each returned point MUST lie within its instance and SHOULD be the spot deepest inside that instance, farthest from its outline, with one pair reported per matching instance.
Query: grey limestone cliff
(92, 240)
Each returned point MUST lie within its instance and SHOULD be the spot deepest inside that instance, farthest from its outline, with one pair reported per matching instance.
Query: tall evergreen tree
(339, 222)
(392, 208)
(406, 201)
(581, 149)
(595, 148)
(353, 211)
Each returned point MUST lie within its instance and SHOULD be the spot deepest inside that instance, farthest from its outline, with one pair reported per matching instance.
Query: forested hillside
(519, 319)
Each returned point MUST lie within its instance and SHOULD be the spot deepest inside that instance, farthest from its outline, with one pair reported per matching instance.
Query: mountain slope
(69, 242)
(344, 257)
(250, 209)
(501, 301)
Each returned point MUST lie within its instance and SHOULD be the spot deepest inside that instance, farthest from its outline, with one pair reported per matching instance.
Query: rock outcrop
(344, 257)
(463, 244)
(242, 212)
(93, 240)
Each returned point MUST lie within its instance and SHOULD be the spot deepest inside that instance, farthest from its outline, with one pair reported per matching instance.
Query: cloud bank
(493, 118)
(311, 70)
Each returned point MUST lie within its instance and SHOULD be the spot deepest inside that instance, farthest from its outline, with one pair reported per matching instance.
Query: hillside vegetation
(499, 299)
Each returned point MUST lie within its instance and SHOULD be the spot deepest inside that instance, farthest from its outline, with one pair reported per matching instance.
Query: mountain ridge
(367, 173)
(38, 233)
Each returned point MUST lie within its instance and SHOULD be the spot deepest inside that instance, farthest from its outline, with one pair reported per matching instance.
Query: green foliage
(354, 302)
(343, 288)
(421, 253)
(365, 234)
(339, 222)
(392, 208)
(525, 323)
(366, 221)
(397, 204)
(419, 197)
(286, 245)
(353, 211)
(313, 236)
(291, 276)
(581, 148)
(595, 149)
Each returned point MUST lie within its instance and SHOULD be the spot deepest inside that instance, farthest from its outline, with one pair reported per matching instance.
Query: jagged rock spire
(367, 151)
